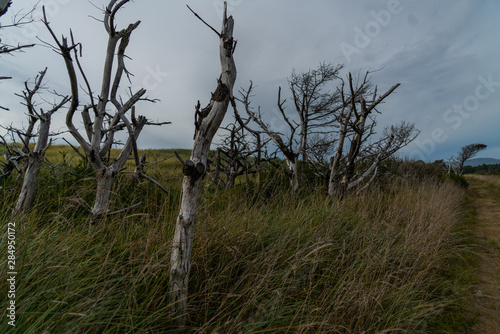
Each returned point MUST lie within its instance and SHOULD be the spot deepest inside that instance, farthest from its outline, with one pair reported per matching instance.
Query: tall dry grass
(264, 261)
(492, 179)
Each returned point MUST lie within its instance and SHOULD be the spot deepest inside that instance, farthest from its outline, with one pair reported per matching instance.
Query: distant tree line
(482, 169)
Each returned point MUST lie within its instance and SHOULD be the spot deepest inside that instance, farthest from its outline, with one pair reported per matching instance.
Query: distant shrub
(458, 180)
(415, 169)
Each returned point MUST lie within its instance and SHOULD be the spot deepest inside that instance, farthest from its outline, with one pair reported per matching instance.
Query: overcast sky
(444, 53)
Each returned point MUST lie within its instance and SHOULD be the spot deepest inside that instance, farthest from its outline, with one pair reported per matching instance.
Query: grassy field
(395, 259)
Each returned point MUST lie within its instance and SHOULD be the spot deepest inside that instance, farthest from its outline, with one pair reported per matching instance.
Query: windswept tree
(106, 113)
(465, 153)
(207, 122)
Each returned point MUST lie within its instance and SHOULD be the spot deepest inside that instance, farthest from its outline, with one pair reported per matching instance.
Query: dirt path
(486, 191)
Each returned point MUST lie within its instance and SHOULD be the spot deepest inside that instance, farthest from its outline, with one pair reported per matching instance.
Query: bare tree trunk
(105, 178)
(294, 179)
(36, 157)
(338, 154)
(28, 188)
(106, 175)
(304, 131)
(353, 152)
(207, 122)
(231, 178)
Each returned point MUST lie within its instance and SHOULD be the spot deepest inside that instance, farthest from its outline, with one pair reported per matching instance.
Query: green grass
(264, 260)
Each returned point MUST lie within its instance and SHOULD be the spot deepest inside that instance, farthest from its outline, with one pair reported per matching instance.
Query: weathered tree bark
(338, 154)
(208, 121)
(27, 194)
(105, 179)
(107, 174)
(354, 149)
(34, 158)
(292, 167)
(344, 121)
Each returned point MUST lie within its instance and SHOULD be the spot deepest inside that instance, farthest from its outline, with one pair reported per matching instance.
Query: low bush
(459, 180)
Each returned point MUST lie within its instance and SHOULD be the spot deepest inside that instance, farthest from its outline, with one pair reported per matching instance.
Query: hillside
(482, 161)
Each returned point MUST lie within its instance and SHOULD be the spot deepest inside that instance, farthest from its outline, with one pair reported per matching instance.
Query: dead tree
(207, 122)
(394, 138)
(356, 108)
(314, 103)
(289, 145)
(12, 153)
(236, 155)
(320, 149)
(465, 153)
(260, 142)
(35, 157)
(100, 125)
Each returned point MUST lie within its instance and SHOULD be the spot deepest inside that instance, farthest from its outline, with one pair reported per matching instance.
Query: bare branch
(208, 25)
